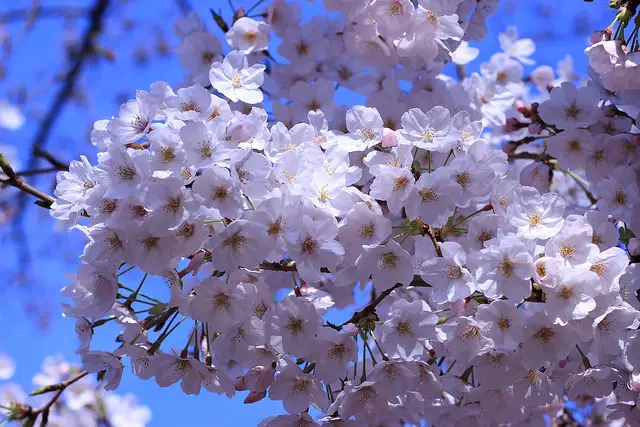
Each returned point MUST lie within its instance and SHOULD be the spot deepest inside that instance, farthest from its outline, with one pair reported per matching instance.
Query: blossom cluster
(83, 403)
(493, 299)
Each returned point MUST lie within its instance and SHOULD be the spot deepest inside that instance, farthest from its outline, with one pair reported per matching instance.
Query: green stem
(447, 159)
(467, 217)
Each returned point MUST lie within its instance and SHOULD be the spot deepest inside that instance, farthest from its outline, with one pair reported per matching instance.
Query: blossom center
(235, 241)
(404, 329)
(600, 269)
(150, 243)
(428, 195)
(274, 228)
(503, 323)
(250, 36)
(506, 267)
(620, 198)
(565, 293)
(395, 9)
(573, 146)
(534, 220)
(337, 351)
(189, 106)
(400, 182)
(221, 301)
(463, 179)
(454, 272)
(125, 173)
(236, 81)
(427, 135)
(294, 326)
(572, 110)
(544, 334)
(567, 251)
(309, 245)
(387, 260)
(367, 230)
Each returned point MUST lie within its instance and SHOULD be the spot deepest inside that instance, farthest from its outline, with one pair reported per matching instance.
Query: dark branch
(97, 14)
(14, 180)
(44, 12)
(59, 165)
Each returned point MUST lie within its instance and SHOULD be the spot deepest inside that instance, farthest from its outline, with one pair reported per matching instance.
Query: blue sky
(557, 27)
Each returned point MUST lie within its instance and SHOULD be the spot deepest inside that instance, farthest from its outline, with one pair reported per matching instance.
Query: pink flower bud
(512, 125)
(634, 382)
(458, 307)
(600, 36)
(255, 396)
(535, 128)
(389, 138)
(240, 384)
(350, 329)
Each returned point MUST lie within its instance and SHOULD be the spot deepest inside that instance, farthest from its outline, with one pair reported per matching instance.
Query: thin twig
(370, 309)
(16, 181)
(58, 164)
(33, 172)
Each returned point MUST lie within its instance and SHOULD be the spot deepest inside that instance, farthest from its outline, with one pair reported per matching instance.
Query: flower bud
(600, 36)
(535, 128)
(634, 382)
(350, 329)
(634, 246)
(512, 125)
(458, 306)
(255, 396)
(389, 138)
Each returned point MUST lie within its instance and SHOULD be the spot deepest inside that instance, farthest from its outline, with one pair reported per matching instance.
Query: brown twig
(369, 309)
(58, 164)
(16, 181)
(33, 172)
(432, 235)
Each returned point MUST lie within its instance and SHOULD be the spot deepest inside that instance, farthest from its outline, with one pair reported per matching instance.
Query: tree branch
(368, 310)
(58, 164)
(97, 14)
(42, 12)
(14, 180)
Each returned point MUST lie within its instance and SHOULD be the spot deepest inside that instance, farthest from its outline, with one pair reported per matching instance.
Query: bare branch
(15, 180)
(98, 12)
(43, 12)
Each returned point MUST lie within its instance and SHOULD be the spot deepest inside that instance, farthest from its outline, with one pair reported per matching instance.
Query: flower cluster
(492, 299)
(83, 402)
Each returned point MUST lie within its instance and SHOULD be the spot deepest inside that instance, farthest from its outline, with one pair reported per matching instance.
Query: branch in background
(42, 12)
(98, 12)
(57, 164)
(184, 6)
(40, 171)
